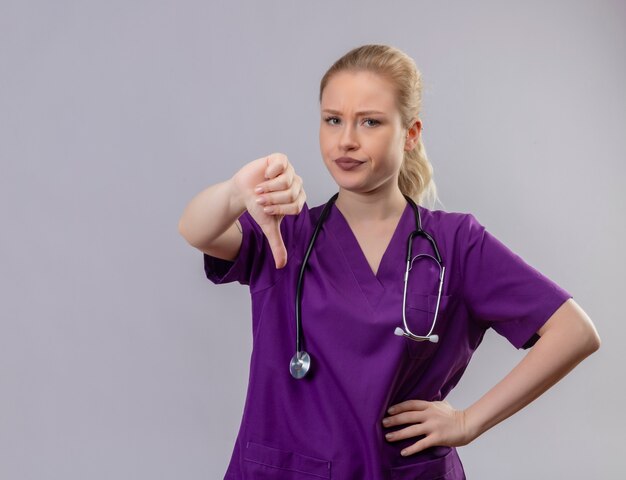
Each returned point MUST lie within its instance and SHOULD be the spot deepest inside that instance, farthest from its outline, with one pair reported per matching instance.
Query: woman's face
(360, 121)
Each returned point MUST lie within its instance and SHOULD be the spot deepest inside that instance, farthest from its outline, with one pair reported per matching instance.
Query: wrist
(473, 427)
(237, 197)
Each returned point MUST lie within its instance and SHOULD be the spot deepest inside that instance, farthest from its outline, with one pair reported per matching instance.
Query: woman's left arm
(567, 338)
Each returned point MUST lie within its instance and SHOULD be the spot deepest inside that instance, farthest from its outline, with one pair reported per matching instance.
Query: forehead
(360, 90)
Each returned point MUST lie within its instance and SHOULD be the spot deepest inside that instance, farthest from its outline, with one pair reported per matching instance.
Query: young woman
(371, 356)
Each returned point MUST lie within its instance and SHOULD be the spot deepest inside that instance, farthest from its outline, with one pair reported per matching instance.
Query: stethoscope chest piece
(300, 364)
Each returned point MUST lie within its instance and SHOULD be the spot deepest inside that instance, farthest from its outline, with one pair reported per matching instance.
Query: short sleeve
(255, 265)
(501, 290)
(250, 253)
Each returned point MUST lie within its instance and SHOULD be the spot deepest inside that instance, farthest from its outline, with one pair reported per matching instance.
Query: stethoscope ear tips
(431, 338)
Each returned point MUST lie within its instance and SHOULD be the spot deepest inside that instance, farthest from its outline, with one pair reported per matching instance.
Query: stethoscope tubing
(301, 361)
(320, 221)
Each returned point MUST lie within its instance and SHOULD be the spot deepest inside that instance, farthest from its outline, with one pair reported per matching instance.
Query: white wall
(118, 359)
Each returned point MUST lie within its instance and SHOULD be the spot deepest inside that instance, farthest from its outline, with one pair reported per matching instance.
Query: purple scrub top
(328, 425)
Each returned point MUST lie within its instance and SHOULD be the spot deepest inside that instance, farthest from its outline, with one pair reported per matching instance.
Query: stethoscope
(301, 361)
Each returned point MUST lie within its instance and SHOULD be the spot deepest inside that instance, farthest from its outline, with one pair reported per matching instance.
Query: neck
(375, 206)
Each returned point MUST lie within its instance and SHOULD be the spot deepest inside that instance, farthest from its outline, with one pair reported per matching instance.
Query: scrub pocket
(420, 313)
(447, 467)
(262, 462)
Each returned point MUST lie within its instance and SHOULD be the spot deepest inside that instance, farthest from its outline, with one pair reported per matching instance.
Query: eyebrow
(363, 112)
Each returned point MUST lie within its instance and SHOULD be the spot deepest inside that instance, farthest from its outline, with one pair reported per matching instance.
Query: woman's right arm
(209, 222)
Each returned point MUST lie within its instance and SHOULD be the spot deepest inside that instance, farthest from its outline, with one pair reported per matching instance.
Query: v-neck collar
(392, 263)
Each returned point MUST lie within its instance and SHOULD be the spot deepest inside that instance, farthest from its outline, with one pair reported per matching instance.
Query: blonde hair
(416, 173)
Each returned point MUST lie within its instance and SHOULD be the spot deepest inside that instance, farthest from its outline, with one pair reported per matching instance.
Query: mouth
(348, 161)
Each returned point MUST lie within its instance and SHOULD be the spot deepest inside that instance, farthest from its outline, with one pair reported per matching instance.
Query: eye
(373, 122)
(329, 120)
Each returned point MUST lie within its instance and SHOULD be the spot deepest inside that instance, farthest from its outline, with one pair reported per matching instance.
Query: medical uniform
(328, 425)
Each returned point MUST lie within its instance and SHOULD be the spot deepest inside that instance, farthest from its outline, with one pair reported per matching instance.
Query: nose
(348, 139)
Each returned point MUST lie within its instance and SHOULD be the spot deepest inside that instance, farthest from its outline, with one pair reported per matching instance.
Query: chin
(352, 187)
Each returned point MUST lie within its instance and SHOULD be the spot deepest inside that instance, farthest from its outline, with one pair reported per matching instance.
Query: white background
(119, 360)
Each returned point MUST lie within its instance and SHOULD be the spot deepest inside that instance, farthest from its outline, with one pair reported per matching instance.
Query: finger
(284, 209)
(276, 243)
(289, 195)
(418, 446)
(295, 207)
(413, 404)
(411, 431)
(279, 183)
(403, 418)
(276, 164)
(278, 198)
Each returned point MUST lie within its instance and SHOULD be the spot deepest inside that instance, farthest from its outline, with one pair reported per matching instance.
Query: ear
(413, 135)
